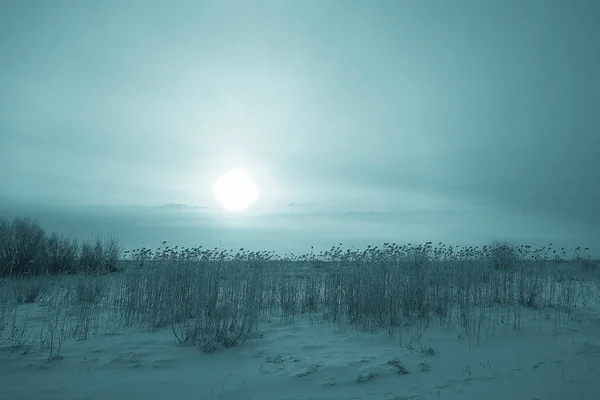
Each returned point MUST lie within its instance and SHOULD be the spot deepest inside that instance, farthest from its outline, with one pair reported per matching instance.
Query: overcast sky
(362, 121)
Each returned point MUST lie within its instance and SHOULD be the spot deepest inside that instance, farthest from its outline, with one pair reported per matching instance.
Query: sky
(362, 122)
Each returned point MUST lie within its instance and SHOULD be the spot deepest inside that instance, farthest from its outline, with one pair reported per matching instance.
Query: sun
(236, 191)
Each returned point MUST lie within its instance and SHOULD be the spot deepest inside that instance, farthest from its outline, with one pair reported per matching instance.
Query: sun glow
(236, 191)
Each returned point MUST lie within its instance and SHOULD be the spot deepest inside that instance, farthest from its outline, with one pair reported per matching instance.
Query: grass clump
(398, 365)
(364, 378)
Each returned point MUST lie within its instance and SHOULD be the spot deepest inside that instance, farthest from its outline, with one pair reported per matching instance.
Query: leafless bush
(22, 247)
(102, 256)
(7, 248)
(26, 250)
(62, 254)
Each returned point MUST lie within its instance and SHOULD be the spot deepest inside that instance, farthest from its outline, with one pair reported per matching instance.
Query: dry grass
(214, 299)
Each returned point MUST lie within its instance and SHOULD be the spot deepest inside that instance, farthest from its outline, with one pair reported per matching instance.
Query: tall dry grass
(213, 299)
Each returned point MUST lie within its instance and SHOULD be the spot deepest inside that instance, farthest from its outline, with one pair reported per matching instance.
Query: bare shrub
(22, 247)
(7, 248)
(26, 250)
(100, 256)
(62, 254)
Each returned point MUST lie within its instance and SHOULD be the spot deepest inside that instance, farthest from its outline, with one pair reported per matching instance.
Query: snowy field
(410, 329)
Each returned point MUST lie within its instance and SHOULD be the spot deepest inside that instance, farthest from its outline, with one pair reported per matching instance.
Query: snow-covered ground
(305, 359)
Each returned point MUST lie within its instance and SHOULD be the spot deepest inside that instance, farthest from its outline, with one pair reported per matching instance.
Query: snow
(308, 359)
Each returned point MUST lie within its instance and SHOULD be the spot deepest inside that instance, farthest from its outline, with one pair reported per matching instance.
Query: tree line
(26, 249)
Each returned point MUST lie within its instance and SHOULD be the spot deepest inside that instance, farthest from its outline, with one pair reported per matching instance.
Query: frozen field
(300, 360)
(304, 332)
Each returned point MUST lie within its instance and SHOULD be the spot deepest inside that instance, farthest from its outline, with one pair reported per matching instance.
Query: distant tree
(23, 247)
(26, 250)
(63, 254)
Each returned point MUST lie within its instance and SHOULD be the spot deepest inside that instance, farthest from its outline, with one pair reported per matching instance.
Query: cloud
(435, 119)
(177, 206)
